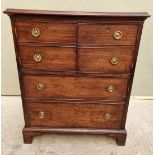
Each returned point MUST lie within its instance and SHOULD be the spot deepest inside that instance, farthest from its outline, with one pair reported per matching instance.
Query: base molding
(30, 132)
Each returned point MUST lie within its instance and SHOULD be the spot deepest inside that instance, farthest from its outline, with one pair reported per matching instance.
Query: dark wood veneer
(56, 32)
(99, 59)
(105, 34)
(72, 115)
(76, 50)
(75, 87)
(11, 11)
(52, 58)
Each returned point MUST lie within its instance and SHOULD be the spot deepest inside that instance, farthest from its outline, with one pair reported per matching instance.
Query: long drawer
(75, 115)
(75, 87)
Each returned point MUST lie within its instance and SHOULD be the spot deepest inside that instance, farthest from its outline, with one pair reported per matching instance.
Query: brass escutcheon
(40, 86)
(41, 115)
(35, 32)
(118, 35)
(114, 61)
(107, 116)
(37, 57)
(111, 88)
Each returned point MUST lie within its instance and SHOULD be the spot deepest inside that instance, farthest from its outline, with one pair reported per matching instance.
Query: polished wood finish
(73, 87)
(56, 32)
(52, 58)
(105, 34)
(65, 115)
(119, 135)
(11, 11)
(99, 59)
(76, 70)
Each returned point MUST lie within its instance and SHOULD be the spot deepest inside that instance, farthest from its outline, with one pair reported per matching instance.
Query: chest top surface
(142, 15)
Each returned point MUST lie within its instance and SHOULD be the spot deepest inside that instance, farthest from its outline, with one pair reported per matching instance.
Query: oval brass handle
(35, 32)
(114, 61)
(107, 116)
(118, 35)
(40, 86)
(41, 115)
(37, 57)
(111, 88)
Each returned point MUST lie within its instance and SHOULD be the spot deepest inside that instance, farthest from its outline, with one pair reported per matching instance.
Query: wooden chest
(76, 70)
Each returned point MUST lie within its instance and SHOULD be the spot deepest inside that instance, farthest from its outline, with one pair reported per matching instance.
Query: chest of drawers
(75, 70)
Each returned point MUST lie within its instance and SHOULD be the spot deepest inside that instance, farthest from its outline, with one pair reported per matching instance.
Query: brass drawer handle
(40, 86)
(37, 57)
(35, 32)
(107, 116)
(41, 115)
(111, 88)
(118, 35)
(114, 61)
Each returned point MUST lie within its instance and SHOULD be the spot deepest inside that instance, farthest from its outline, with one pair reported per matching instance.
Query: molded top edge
(10, 12)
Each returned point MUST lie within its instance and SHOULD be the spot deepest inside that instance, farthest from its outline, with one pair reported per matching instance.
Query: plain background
(142, 85)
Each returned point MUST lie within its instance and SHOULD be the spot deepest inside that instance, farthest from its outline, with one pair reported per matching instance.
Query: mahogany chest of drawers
(75, 70)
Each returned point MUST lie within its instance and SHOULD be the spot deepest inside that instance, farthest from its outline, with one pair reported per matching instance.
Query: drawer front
(56, 32)
(53, 58)
(75, 115)
(75, 87)
(105, 59)
(107, 34)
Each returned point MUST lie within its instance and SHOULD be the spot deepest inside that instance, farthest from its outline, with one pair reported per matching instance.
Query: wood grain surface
(56, 32)
(52, 58)
(103, 34)
(11, 11)
(75, 115)
(75, 87)
(76, 50)
(99, 59)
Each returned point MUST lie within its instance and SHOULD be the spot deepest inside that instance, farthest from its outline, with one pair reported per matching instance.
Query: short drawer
(107, 34)
(54, 32)
(71, 115)
(52, 58)
(114, 60)
(75, 87)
